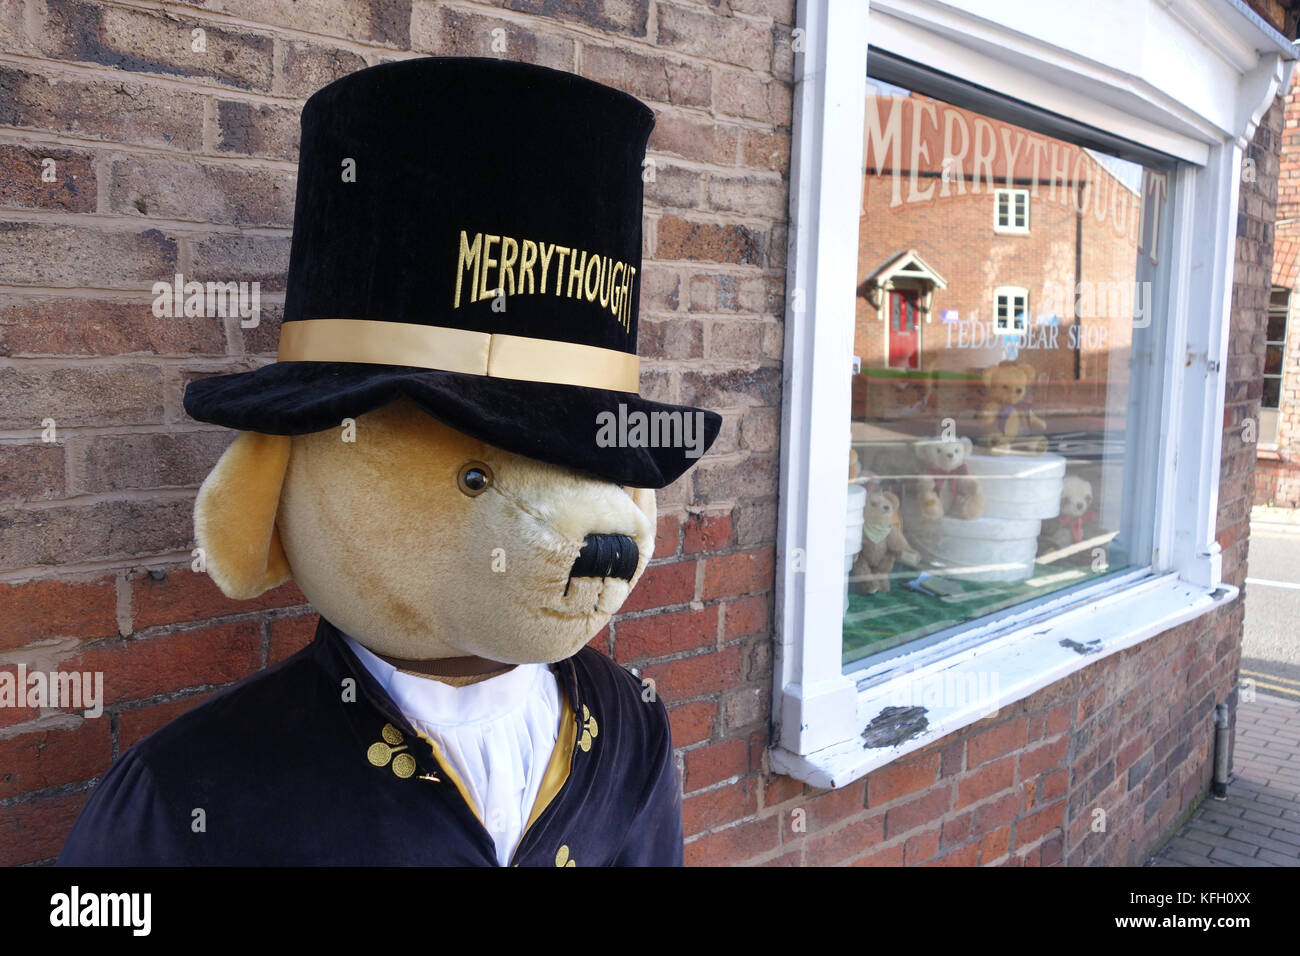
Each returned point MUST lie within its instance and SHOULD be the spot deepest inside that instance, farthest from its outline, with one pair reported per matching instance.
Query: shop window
(1008, 465)
(1274, 356)
(1010, 309)
(1011, 210)
(990, 502)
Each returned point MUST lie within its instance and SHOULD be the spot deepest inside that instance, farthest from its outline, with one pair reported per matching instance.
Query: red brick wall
(171, 161)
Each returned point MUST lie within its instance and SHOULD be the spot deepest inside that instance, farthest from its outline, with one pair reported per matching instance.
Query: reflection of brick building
(1277, 475)
(968, 260)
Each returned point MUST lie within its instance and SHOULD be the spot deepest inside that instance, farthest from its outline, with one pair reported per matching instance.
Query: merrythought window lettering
(491, 262)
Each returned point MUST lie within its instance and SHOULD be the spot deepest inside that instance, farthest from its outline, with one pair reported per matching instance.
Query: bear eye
(474, 478)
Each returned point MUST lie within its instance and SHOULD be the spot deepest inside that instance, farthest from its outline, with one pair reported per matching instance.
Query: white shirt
(497, 734)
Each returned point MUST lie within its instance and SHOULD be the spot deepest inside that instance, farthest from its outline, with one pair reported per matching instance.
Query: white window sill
(970, 685)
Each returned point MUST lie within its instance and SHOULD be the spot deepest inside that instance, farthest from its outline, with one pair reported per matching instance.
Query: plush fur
(945, 488)
(234, 516)
(1076, 519)
(870, 572)
(1011, 424)
(386, 546)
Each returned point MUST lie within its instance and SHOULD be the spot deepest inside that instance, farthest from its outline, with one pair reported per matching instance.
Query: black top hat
(467, 235)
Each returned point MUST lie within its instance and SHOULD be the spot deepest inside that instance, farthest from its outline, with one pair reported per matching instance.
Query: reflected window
(1010, 308)
(1011, 210)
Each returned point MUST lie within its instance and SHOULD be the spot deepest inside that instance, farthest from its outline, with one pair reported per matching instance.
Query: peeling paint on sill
(893, 725)
(1091, 647)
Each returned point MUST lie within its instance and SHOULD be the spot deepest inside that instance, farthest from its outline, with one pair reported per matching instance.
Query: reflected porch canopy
(467, 235)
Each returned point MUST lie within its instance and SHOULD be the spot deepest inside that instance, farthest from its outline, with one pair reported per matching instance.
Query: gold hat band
(458, 350)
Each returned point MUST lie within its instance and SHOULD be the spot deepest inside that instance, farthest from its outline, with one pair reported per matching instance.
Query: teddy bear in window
(945, 486)
(883, 544)
(1076, 521)
(1010, 423)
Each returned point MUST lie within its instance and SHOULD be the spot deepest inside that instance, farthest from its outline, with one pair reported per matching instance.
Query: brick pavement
(1259, 823)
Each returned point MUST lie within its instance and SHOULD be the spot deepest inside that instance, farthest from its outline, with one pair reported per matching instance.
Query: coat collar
(339, 663)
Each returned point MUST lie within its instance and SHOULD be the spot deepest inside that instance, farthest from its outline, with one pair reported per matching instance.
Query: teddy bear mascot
(451, 459)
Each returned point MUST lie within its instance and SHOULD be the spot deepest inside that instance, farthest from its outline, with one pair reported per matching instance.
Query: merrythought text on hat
(577, 273)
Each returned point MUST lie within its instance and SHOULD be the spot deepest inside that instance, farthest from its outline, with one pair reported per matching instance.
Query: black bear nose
(606, 556)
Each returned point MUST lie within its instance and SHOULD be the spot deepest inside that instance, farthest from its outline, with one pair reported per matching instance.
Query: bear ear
(1028, 371)
(966, 445)
(989, 374)
(893, 499)
(644, 498)
(234, 516)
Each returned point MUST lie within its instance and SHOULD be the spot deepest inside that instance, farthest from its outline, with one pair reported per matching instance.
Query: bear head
(881, 507)
(946, 454)
(1007, 382)
(423, 543)
(1076, 496)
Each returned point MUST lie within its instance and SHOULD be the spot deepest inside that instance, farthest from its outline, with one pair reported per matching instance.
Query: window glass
(1277, 324)
(1002, 429)
(1274, 352)
(1010, 309)
(1012, 210)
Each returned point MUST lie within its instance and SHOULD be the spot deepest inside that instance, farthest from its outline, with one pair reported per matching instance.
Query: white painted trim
(963, 688)
(817, 709)
(814, 703)
(988, 55)
(895, 266)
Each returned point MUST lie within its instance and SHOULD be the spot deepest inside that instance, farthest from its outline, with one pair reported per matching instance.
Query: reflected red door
(904, 330)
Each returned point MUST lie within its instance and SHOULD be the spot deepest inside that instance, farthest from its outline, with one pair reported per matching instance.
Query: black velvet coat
(285, 770)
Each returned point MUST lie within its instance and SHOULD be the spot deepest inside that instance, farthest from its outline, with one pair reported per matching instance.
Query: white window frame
(1012, 326)
(1010, 196)
(1190, 78)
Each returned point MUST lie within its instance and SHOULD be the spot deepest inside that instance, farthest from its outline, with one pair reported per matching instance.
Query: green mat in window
(877, 622)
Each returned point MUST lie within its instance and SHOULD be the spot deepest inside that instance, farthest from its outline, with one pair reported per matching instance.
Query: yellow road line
(1284, 680)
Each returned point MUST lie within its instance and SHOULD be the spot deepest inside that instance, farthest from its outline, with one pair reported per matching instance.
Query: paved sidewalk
(1259, 823)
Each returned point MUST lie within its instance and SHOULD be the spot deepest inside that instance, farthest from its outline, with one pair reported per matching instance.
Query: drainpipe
(1219, 788)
